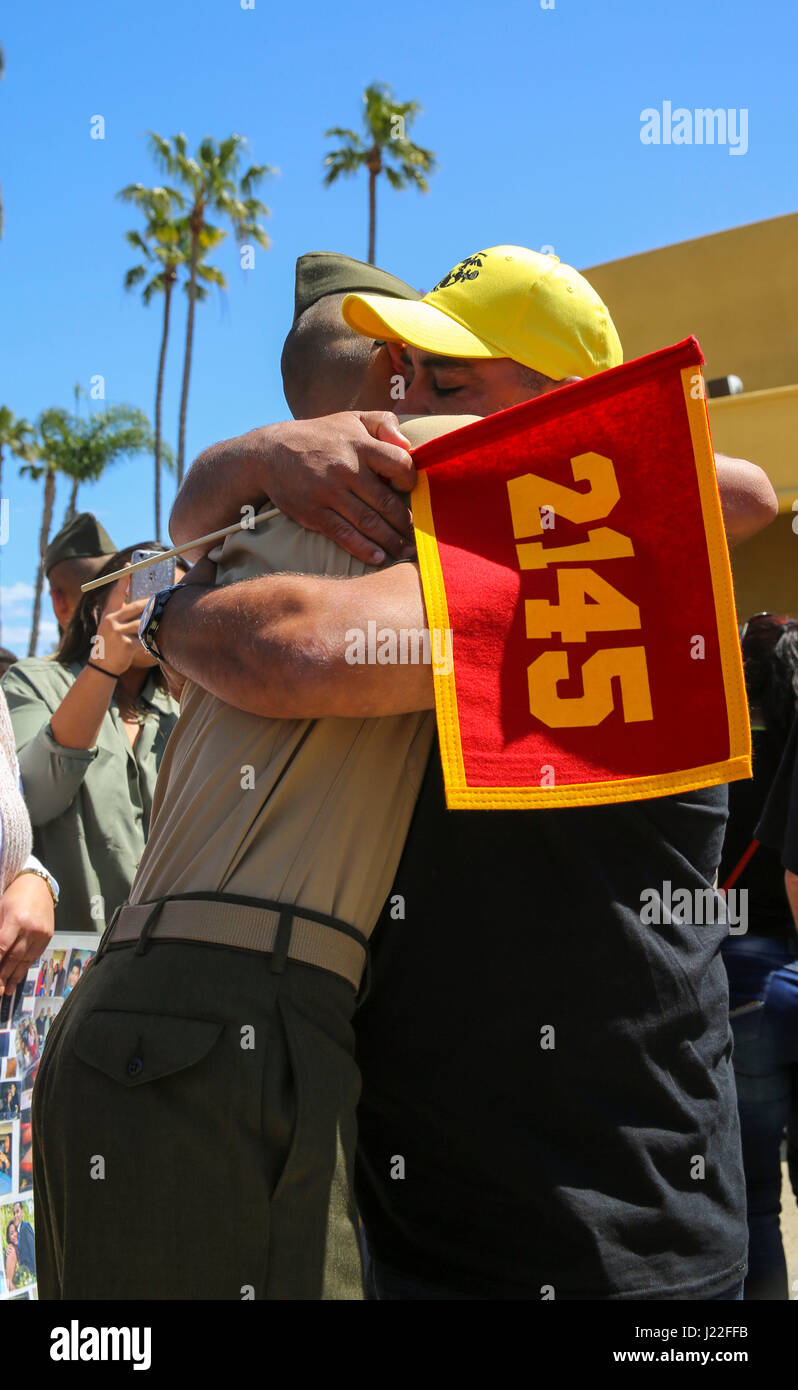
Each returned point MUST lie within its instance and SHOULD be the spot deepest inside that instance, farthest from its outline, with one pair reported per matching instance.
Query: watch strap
(148, 628)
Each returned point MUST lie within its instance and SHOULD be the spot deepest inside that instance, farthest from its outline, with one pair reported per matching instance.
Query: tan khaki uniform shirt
(311, 812)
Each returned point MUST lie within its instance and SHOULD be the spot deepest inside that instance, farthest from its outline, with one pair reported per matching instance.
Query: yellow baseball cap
(503, 302)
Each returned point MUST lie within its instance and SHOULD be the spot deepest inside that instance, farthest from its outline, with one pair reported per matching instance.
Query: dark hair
(75, 644)
(770, 662)
(8, 1229)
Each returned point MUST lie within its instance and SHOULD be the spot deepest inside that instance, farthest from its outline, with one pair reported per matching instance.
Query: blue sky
(534, 114)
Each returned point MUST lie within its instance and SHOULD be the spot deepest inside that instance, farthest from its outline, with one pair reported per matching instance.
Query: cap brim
(418, 323)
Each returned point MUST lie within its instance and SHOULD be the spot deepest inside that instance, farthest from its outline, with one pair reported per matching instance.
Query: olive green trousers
(194, 1131)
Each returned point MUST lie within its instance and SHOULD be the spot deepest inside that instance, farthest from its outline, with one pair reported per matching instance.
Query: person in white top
(28, 894)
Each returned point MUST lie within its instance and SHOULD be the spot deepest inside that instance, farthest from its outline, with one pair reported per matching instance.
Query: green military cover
(327, 272)
(82, 537)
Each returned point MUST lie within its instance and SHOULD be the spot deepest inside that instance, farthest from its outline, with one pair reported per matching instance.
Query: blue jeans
(763, 1005)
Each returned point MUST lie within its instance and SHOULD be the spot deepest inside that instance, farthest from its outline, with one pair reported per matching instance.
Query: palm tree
(82, 450)
(40, 466)
(17, 437)
(162, 243)
(212, 182)
(383, 149)
(89, 446)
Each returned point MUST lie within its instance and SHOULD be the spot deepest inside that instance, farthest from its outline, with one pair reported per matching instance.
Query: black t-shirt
(768, 911)
(605, 1166)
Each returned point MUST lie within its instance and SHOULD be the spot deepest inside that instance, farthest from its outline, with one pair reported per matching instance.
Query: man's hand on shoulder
(334, 475)
(345, 475)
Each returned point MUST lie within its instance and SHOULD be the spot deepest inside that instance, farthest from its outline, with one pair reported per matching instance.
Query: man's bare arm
(327, 474)
(277, 645)
(747, 498)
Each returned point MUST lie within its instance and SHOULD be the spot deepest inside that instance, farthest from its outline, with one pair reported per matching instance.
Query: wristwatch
(150, 620)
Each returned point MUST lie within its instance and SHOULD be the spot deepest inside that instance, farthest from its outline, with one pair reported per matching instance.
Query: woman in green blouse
(91, 725)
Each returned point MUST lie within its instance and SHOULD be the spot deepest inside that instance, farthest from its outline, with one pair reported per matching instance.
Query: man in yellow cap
(491, 1165)
(495, 310)
(507, 304)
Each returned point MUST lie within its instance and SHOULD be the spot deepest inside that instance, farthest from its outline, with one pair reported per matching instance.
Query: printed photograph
(25, 1171)
(51, 974)
(44, 1011)
(78, 960)
(26, 1092)
(7, 1183)
(19, 1244)
(10, 1100)
(26, 1042)
(23, 999)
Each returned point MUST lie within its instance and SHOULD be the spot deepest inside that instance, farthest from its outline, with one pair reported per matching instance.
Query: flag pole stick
(155, 559)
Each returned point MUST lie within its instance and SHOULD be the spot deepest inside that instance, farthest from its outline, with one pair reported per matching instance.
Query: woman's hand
(27, 921)
(117, 640)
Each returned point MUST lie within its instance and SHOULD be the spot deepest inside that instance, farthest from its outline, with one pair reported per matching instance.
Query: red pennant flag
(573, 548)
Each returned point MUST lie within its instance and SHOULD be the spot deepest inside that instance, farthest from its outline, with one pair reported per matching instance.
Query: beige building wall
(737, 291)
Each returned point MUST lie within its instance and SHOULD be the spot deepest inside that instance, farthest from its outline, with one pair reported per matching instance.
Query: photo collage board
(25, 1019)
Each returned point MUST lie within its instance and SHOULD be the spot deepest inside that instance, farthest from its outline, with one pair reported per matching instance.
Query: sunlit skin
(436, 385)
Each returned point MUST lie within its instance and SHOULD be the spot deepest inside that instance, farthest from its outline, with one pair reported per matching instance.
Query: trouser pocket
(150, 1153)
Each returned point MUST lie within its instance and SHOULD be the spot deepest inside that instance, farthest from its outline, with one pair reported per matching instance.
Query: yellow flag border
(461, 797)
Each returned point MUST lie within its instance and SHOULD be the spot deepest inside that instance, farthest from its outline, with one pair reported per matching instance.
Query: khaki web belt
(282, 930)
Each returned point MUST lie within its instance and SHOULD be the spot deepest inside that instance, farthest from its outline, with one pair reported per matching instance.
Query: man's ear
(395, 351)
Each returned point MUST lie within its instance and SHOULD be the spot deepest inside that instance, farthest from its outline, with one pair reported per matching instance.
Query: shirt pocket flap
(133, 1048)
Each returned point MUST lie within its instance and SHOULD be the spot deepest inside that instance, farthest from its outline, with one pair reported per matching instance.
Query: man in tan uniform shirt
(209, 1048)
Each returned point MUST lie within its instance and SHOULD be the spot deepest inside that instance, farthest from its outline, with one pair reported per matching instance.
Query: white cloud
(16, 638)
(11, 594)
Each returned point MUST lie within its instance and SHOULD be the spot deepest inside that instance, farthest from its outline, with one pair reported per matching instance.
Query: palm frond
(212, 275)
(155, 286)
(134, 276)
(342, 133)
(161, 151)
(255, 175)
(344, 161)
